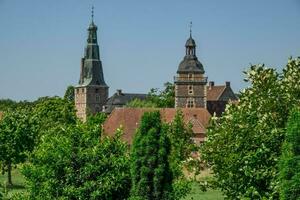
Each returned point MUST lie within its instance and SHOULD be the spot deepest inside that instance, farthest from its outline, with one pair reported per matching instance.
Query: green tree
(151, 175)
(244, 145)
(52, 111)
(182, 145)
(164, 98)
(290, 160)
(156, 98)
(7, 104)
(72, 162)
(138, 103)
(70, 93)
(17, 136)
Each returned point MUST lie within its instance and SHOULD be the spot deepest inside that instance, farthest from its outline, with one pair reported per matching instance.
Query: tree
(138, 103)
(72, 162)
(156, 98)
(290, 160)
(70, 93)
(17, 136)
(164, 98)
(7, 104)
(52, 111)
(244, 145)
(151, 175)
(182, 144)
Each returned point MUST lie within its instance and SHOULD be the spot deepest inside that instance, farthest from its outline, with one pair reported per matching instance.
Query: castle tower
(92, 92)
(190, 83)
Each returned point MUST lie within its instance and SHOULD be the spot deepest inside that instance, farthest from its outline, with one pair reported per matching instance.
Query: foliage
(290, 160)
(53, 111)
(151, 176)
(156, 98)
(94, 124)
(73, 163)
(17, 135)
(7, 104)
(164, 98)
(138, 103)
(2, 192)
(182, 145)
(70, 94)
(183, 155)
(243, 146)
(96, 119)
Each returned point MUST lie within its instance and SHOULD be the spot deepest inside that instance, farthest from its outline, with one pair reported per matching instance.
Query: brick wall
(90, 100)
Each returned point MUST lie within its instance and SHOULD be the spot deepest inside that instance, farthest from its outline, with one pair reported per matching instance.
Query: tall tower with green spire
(91, 92)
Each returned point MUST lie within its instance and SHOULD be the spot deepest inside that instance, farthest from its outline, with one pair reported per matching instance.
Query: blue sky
(141, 42)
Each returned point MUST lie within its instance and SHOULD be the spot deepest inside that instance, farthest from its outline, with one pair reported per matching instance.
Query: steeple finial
(191, 25)
(93, 13)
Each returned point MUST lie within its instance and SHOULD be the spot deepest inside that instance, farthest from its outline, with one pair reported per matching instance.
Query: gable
(213, 93)
(227, 95)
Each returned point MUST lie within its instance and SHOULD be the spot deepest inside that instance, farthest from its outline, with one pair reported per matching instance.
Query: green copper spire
(91, 69)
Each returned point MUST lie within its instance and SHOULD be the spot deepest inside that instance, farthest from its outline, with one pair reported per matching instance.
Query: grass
(18, 183)
(195, 194)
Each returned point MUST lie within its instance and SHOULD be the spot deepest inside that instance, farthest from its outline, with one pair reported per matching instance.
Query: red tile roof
(214, 92)
(129, 119)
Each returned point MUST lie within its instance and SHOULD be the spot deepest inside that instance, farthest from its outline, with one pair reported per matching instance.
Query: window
(96, 90)
(190, 77)
(82, 90)
(190, 88)
(190, 103)
(97, 98)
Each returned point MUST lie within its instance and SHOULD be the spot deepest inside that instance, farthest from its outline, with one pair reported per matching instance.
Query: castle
(197, 99)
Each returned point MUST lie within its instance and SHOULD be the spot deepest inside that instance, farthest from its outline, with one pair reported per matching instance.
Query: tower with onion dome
(190, 82)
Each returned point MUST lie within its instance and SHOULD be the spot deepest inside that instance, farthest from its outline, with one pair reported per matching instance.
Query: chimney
(227, 84)
(211, 84)
(119, 92)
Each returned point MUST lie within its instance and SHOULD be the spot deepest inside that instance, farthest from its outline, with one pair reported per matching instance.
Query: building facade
(91, 92)
(218, 96)
(191, 89)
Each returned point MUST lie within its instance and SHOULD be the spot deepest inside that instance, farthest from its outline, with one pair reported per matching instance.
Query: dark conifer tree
(151, 175)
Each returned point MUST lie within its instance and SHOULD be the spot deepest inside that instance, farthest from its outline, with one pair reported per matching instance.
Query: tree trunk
(9, 183)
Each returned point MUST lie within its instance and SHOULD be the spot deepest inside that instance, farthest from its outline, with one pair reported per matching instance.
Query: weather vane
(191, 25)
(93, 13)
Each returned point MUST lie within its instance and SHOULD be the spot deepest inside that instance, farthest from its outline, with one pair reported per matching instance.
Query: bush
(290, 160)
